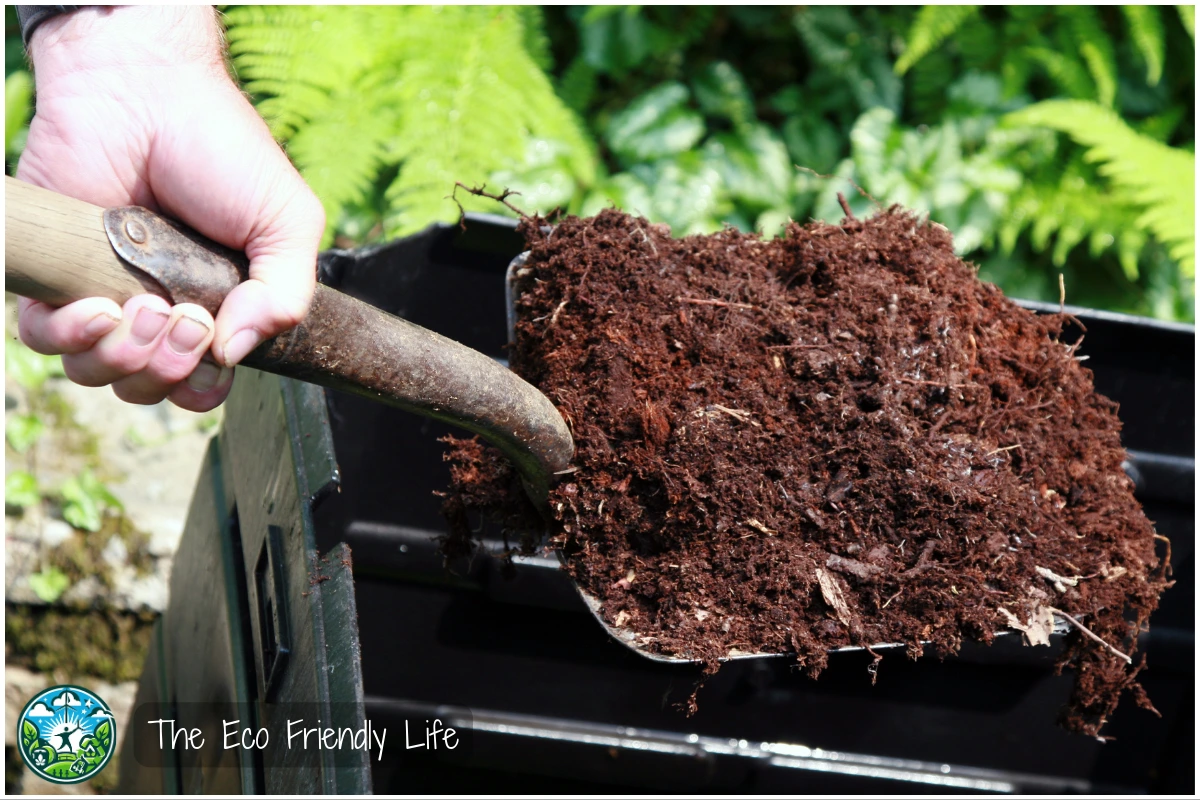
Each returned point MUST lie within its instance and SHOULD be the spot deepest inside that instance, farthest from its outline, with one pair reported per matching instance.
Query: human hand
(134, 107)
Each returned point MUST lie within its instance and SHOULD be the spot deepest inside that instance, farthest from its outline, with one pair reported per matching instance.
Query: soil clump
(837, 437)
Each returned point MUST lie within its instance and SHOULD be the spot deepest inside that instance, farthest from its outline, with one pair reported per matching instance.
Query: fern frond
(1070, 76)
(537, 43)
(473, 119)
(933, 25)
(1159, 179)
(444, 94)
(1096, 49)
(1068, 210)
(1187, 15)
(1146, 30)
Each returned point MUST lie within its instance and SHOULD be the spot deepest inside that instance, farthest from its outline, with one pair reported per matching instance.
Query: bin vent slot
(274, 641)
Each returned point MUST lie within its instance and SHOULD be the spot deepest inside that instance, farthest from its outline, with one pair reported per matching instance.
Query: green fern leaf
(537, 43)
(1096, 49)
(933, 25)
(1157, 178)
(1071, 76)
(474, 118)
(443, 94)
(1146, 30)
(1187, 15)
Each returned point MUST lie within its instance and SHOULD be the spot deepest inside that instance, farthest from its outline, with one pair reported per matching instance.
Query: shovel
(58, 250)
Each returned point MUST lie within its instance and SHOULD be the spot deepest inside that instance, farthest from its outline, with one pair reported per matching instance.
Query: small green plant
(49, 584)
(29, 369)
(84, 500)
(21, 490)
(22, 430)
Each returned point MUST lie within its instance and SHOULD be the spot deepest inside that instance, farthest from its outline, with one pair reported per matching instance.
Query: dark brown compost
(837, 437)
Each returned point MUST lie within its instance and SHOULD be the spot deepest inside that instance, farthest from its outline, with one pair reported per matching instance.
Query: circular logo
(67, 734)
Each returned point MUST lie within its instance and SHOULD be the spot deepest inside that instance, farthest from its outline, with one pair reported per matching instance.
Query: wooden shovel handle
(56, 250)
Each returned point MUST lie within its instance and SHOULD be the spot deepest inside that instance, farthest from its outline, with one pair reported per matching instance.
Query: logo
(67, 734)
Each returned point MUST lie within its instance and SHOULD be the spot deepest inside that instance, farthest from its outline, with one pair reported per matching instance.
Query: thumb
(283, 268)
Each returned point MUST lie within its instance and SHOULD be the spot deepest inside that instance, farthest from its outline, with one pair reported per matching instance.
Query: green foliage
(1109, 186)
(656, 125)
(84, 500)
(49, 584)
(1187, 14)
(22, 430)
(940, 171)
(21, 490)
(431, 95)
(1160, 180)
(699, 116)
(18, 107)
(29, 369)
(1146, 31)
(931, 27)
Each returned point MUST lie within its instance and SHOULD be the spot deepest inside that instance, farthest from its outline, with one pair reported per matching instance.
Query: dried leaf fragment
(758, 526)
(833, 596)
(1040, 626)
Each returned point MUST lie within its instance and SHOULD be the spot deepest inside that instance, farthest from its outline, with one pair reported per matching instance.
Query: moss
(101, 643)
(80, 556)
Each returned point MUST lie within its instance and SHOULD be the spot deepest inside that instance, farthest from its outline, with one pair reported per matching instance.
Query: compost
(836, 437)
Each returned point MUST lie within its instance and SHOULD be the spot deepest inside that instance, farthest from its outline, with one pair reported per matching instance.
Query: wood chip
(758, 526)
(850, 566)
(1060, 583)
(1039, 628)
(622, 618)
(833, 596)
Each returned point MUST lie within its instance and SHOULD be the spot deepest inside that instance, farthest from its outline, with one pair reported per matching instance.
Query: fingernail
(186, 335)
(207, 375)
(147, 325)
(240, 344)
(99, 325)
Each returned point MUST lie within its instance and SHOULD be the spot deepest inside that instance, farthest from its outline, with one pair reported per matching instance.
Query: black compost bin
(269, 614)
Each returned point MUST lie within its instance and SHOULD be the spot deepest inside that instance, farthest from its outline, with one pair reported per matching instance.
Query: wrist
(96, 38)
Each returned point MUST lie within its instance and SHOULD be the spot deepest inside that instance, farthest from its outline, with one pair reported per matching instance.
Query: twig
(861, 190)
(480, 191)
(736, 413)
(903, 379)
(1159, 537)
(1083, 629)
(722, 303)
(1002, 449)
(845, 206)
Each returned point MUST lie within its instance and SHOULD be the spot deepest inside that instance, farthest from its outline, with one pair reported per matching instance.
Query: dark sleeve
(30, 17)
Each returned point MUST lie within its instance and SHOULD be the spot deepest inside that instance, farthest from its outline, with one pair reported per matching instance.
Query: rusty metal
(189, 267)
(348, 345)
